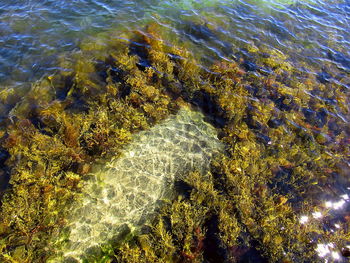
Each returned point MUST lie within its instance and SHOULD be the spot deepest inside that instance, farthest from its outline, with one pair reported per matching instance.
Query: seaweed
(286, 140)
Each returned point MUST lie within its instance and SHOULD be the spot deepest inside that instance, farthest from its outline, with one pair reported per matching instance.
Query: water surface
(310, 39)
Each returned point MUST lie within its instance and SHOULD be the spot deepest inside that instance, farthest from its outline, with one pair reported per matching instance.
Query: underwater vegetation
(284, 131)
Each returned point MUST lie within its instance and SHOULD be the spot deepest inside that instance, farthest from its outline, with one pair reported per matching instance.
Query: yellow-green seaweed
(285, 148)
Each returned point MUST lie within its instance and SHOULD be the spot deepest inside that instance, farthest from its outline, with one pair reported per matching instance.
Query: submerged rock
(124, 194)
(197, 32)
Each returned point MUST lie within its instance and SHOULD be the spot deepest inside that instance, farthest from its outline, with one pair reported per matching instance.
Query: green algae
(285, 146)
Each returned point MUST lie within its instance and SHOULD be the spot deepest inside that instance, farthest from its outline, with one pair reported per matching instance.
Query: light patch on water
(345, 197)
(327, 251)
(124, 194)
(317, 215)
(336, 205)
(303, 219)
(323, 250)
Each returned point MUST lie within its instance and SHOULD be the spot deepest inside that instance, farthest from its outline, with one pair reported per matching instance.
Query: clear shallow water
(35, 35)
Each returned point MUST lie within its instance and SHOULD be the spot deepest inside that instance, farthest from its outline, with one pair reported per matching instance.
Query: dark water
(35, 35)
